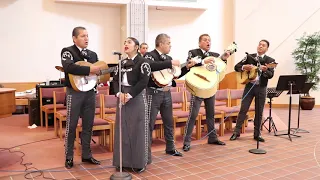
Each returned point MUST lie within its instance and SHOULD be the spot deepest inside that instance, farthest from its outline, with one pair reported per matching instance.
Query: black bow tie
(85, 54)
(163, 56)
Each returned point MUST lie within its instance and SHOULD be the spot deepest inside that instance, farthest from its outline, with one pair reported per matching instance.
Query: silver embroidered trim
(145, 68)
(66, 54)
(68, 118)
(189, 117)
(146, 127)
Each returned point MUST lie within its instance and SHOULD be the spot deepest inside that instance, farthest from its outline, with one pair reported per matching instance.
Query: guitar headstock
(232, 48)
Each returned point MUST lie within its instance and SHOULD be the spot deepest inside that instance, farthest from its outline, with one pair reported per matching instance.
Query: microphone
(116, 53)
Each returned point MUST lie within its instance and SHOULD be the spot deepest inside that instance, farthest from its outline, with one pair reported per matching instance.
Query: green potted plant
(307, 61)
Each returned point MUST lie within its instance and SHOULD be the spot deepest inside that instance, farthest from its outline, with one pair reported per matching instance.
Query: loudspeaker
(34, 112)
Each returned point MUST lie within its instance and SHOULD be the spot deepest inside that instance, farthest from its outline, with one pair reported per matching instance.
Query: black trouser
(161, 101)
(79, 104)
(195, 104)
(247, 98)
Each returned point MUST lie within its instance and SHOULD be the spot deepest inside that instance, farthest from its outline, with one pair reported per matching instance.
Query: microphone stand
(120, 175)
(258, 151)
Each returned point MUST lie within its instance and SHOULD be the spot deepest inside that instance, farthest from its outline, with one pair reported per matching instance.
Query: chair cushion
(62, 112)
(181, 114)
(227, 109)
(220, 103)
(176, 105)
(251, 108)
(203, 111)
(112, 118)
(158, 117)
(97, 111)
(109, 111)
(96, 122)
(50, 106)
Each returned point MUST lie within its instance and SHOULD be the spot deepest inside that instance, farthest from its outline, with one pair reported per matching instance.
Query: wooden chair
(174, 89)
(181, 115)
(103, 90)
(237, 94)
(180, 83)
(178, 102)
(109, 105)
(99, 124)
(48, 108)
(59, 114)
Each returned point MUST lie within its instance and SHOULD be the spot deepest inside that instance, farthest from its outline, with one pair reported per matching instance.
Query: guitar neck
(183, 64)
(109, 70)
(224, 54)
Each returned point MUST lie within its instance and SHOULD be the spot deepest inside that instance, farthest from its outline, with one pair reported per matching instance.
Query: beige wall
(185, 27)
(281, 22)
(33, 32)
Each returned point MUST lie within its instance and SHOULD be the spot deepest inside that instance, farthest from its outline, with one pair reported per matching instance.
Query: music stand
(305, 90)
(271, 93)
(290, 83)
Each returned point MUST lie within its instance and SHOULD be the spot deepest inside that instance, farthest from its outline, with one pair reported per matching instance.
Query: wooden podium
(8, 102)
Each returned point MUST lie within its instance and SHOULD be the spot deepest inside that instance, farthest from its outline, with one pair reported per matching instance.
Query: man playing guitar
(258, 91)
(195, 103)
(159, 98)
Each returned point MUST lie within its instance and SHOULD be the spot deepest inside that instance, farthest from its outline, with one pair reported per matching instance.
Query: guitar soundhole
(211, 67)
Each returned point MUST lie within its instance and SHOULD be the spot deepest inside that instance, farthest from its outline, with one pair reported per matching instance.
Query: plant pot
(307, 102)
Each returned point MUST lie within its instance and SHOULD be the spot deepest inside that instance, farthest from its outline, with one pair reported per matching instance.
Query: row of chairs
(106, 107)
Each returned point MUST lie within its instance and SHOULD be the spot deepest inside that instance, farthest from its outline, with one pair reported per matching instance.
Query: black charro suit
(259, 90)
(159, 99)
(195, 104)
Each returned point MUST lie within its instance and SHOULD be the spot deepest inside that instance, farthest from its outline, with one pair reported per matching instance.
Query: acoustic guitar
(202, 81)
(86, 83)
(164, 77)
(245, 76)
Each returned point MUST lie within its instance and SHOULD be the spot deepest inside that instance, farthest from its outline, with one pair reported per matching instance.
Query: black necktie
(260, 59)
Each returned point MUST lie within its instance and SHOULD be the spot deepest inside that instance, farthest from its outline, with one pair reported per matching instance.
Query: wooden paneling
(230, 82)
(287, 106)
(20, 86)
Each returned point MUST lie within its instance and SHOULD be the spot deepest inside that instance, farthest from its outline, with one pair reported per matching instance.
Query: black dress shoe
(217, 142)
(139, 170)
(259, 138)
(234, 137)
(69, 163)
(91, 160)
(174, 153)
(186, 147)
